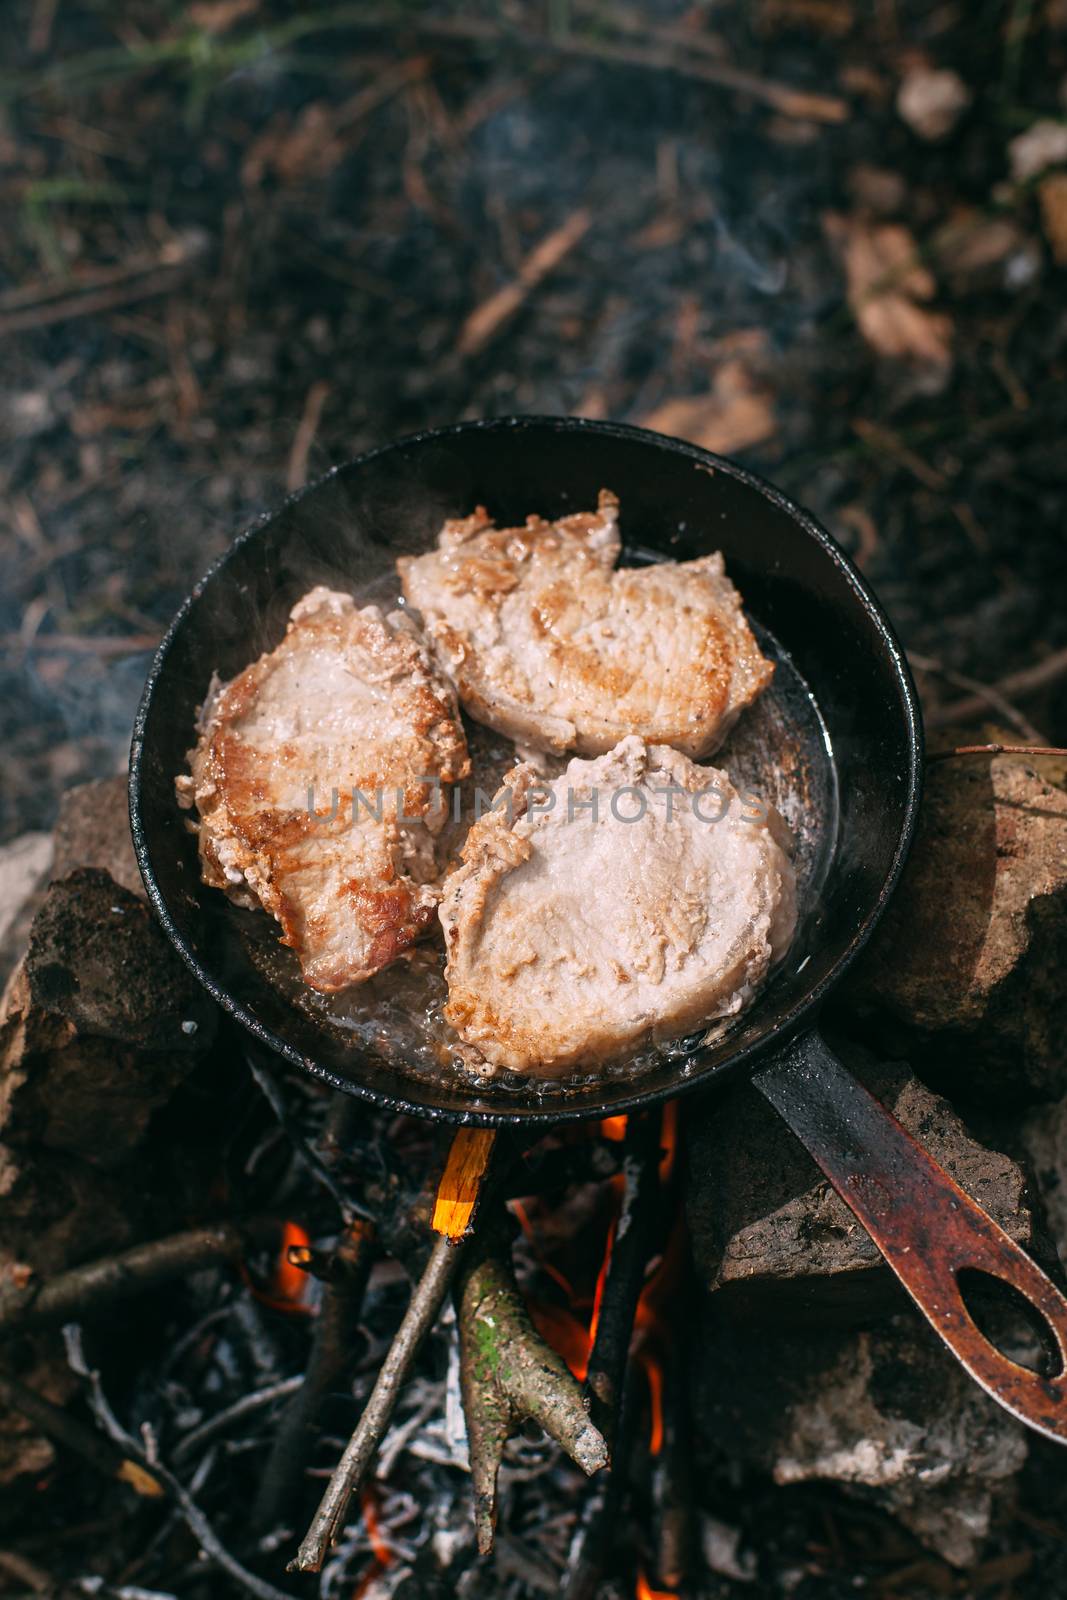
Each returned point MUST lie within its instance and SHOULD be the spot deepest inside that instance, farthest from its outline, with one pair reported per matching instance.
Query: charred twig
(997, 750)
(246, 1406)
(85, 1442)
(146, 1456)
(333, 1351)
(508, 1375)
(84, 1289)
(308, 1157)
(486, 320)
(597, 1531)
(631, 1248)
(672, 1471)
(351, 1469)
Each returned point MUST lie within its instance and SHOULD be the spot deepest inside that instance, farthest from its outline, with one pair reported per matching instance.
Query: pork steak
(351, 708)
(576, 932)
(551, 644)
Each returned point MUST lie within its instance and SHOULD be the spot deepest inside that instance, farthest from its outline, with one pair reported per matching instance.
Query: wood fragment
(509, 1375)
(461, 1183)
(486, 320)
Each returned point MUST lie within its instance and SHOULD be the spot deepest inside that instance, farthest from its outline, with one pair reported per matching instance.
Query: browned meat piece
(349, 701)
(574, 936)
(549, 643)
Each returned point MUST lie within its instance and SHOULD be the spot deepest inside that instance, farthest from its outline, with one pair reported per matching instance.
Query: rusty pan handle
(926, 1227)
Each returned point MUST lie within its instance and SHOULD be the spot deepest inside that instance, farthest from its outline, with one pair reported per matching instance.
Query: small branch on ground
(508, 1375)
(634, 1236)
(1028, 680)
(997, 750)
(334, 1348)
(982, 693)
(160, 280)
(352, 1468)
(486, 320)
(83, 1290)
(304, 437)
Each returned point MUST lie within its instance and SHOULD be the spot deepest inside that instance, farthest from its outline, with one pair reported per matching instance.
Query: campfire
(263, 1336)
(245, 1338)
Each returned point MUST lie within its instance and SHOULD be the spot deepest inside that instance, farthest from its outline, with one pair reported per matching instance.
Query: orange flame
(669, 1141)
(369, 1506)
(288, 1286)
(654, 1378)
(645, 1590)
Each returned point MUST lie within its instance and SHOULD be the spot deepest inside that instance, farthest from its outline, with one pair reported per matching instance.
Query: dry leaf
(1052, 192)
(1044, 144)
(736, 414)
(932, 102)
(886, 282)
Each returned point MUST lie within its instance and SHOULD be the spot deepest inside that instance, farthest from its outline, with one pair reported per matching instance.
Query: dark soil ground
(242, 241)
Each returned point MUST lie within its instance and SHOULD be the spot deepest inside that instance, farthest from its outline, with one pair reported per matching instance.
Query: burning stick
(597, 1530)
(457, 1196)
(333, 1349)
(672, 1471)
(509, 1374)
(632, 1245)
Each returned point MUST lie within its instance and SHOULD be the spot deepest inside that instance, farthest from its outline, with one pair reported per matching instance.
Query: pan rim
(745, 1058)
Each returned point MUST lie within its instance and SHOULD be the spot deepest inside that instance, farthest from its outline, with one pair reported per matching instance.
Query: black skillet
(838, 742)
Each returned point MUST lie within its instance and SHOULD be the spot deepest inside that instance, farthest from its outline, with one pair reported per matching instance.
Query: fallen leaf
(1043, 145)
(886, 283)
(1052, 193)
(736, 414)
(931, 102)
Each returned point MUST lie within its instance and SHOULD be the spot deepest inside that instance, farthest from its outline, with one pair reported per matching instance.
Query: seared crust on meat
(549, 643)
(349, 703)
(574, 935)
